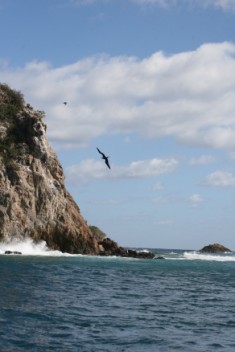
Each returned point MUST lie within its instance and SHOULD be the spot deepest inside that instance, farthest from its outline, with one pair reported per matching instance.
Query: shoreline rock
(109, 247)
(215, 248)
(12, 252)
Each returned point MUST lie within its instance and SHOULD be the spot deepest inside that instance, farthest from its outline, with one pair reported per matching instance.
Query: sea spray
(29, 247)
(225, 257)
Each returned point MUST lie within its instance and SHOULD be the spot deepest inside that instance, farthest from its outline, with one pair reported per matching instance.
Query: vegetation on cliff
(11, 102)
(97, 233)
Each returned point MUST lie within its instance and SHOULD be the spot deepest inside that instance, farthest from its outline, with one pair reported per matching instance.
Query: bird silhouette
(65, 103)
(106, 158)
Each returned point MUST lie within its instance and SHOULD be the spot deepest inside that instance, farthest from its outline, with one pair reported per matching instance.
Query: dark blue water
(91, 304)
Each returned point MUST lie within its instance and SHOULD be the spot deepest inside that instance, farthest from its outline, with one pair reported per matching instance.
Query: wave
(29, 247)
(225, 257)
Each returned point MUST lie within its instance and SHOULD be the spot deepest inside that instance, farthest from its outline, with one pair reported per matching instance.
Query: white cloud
(220, 179)
(189, 96)
(146, 168)
(91, 169)
(195, 200)
(163, 3)
(202, 160)
(221, 4)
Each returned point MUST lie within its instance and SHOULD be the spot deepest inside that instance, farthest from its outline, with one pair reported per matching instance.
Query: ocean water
(51, 301)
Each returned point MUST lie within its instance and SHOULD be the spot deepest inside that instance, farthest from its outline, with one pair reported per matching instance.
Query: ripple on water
(91, 304)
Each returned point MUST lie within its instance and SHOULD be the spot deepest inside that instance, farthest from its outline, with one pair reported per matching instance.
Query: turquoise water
(52, 302)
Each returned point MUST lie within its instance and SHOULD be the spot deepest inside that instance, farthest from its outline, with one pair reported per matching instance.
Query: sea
(50, 301)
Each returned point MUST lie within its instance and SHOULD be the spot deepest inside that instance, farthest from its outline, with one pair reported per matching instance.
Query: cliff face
(33, 199)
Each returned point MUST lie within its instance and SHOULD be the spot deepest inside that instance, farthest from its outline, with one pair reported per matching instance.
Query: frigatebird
(106, 158)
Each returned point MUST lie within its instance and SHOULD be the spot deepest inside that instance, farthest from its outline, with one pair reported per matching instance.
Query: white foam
(226, 257)
(29, 247)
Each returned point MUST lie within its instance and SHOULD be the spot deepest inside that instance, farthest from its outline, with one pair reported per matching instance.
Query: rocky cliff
(33, 199)
(34, 202)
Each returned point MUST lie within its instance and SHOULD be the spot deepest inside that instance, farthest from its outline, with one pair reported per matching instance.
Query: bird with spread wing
(106, 158)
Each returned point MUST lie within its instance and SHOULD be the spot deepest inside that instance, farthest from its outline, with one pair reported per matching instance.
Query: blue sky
(152, 84)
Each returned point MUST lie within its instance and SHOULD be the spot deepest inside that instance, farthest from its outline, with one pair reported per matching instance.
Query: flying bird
(106, 158)
(65, 103)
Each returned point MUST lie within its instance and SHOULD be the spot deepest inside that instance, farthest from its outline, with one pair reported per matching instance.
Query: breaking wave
(29, 247)
(225, 257)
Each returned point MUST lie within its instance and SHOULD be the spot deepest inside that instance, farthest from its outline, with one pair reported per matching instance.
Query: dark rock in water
(110, 247)
(214, 248)
(12, 252)
(140, 255)
(159, 258)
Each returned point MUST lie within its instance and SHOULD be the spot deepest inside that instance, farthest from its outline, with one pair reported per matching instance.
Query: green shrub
(11, 97)
(11, 102)
(97, 233)
(7, 112)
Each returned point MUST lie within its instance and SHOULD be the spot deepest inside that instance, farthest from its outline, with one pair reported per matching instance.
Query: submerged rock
(214, 248)
(12, 252)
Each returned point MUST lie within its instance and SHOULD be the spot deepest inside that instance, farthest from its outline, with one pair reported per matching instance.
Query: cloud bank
(225, 5)
(188, 96)
(90, 169)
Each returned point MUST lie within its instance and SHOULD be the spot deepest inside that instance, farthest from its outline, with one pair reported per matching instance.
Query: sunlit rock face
(33, 199)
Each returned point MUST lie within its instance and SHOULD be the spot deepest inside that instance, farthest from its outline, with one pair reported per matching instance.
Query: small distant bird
(106, 158)
(65, 103)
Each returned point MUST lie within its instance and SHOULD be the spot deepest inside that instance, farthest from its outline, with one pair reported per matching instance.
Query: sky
(151, 83)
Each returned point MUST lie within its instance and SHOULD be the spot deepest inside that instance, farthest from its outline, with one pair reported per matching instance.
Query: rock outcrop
(110, 247)
(34, 202)
(33, 199)
(215, 248)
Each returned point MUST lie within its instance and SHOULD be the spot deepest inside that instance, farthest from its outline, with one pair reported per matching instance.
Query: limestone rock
(33, 199)
(215, 248)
